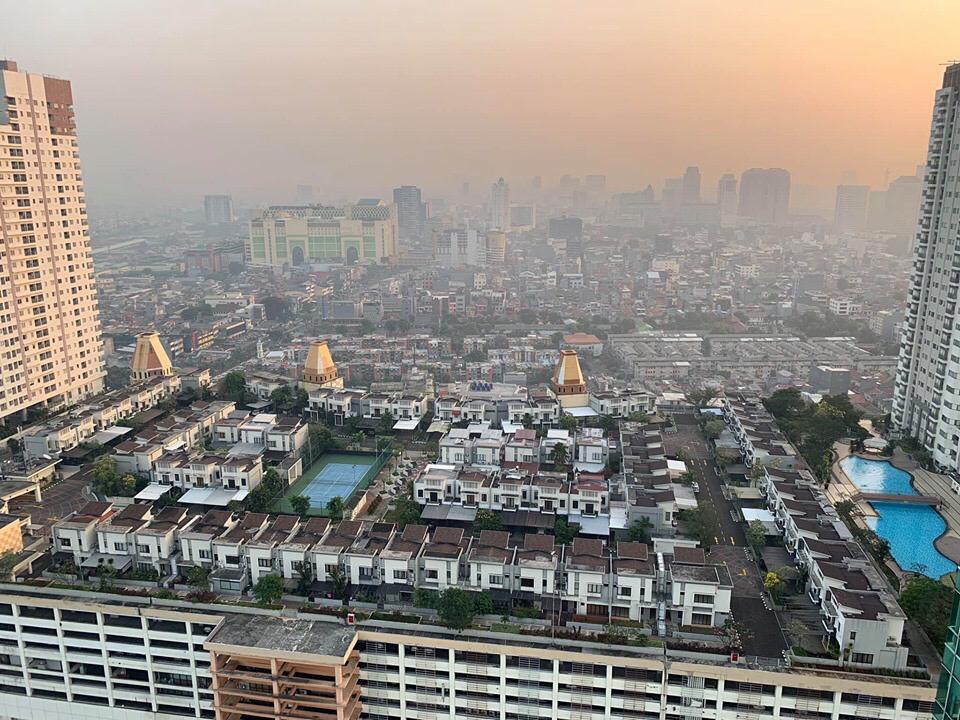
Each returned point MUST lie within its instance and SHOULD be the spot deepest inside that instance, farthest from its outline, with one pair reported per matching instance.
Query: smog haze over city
(479, 360)
(356, 97)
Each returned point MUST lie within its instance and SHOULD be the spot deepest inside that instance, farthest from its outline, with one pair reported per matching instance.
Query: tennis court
(333, 475)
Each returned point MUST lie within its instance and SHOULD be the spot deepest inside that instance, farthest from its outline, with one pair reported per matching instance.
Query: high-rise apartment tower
(52, 352)
(926, 398)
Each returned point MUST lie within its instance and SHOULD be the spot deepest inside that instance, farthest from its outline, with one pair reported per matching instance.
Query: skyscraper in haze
(411, 212)
(727, 198)
(570, 230)
(218, 209)
(926, 394)
(765, 195)
(691, 186)
(49, 319)
(500, 206)
(850, 213)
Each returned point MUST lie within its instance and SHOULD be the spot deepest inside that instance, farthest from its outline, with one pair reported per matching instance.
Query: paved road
(763, 635)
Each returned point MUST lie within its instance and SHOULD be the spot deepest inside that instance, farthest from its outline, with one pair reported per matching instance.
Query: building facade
(218, 209)
(411, 212)
(297, 235)
(926, 401)
(49, 319)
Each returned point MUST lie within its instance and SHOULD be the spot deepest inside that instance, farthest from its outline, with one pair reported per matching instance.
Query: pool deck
(924, 482)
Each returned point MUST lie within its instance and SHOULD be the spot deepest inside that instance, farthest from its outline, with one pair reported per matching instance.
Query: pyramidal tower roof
(319, 367)
(568, 382)
(150, 359)
(568, 373)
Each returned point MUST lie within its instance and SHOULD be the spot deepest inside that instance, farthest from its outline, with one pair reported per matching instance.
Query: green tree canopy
(455, 608)
(486, 520)
(300, 504)
(268, 590)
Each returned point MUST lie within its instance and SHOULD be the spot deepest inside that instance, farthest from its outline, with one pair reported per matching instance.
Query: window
(64, 542)
(624, 592)
(120, 547)
(203, 554)
(331, 569)
(265, 563)
(496, 580)
(143, 549)
(703, 599)
(594, 589)
(432, 574)
(865, 658)
(701, 619)
(399, 574)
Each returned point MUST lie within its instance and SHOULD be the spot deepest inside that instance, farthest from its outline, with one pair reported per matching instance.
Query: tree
(233, 386)
(773, 585)
(386, 421)
(688, 477)
(564, 532)
(106, 576)
(641, 531)
(304, 577)
(198, 577)
(928, 603)
(713, 429)
(482, 604)
(282, 399)
(638, 417)
(406, 511)
(8, 561)
(756, 535)
(703, 523)
(455, 608)
(559, 455)
(268, 590)
(335, 509)
(319, 440)
(300, 504)
(568, 422)
(486, 520)
(339, 581)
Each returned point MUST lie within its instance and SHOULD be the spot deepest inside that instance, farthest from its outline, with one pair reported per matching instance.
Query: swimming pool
(910, 529)
(877, 476)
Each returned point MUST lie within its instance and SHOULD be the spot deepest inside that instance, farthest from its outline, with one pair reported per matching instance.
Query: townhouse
(858, 609)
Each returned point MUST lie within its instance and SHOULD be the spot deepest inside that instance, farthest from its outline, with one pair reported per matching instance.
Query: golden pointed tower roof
(568, 381)
(319, 367)
(150, 359)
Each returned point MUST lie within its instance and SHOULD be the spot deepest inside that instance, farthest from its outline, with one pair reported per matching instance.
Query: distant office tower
(727, 198)
(304, 194)
(523, 217)
(218, 209)
(895, 209)
(411, 212)
(457, 247)
(536, 183)
(569, 229)
(596, 183)
(765, 195)
(672, 197)
(301, 234)
(926, 399)
(49, 320)
(850, 213)
(691, 186)
(500, 205)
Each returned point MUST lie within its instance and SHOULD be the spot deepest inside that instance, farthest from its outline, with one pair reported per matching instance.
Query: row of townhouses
(589, 578)
(858, 610)
(81, 424)
(479, 444)
(340, 404)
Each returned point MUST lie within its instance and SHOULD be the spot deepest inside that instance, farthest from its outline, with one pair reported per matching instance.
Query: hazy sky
(178, 98)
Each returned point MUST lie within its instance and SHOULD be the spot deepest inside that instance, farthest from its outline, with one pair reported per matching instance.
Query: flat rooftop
(294, 635)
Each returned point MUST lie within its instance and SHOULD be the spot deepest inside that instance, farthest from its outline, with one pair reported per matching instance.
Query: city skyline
(624, 102)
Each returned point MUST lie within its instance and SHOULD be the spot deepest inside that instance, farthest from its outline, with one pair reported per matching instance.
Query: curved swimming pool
(910, 529)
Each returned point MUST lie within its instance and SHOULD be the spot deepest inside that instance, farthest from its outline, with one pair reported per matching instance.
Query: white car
(696, 487)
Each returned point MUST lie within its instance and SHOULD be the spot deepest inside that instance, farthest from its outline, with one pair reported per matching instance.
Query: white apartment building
(49, 319)
(74, 654)
(926, 400)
